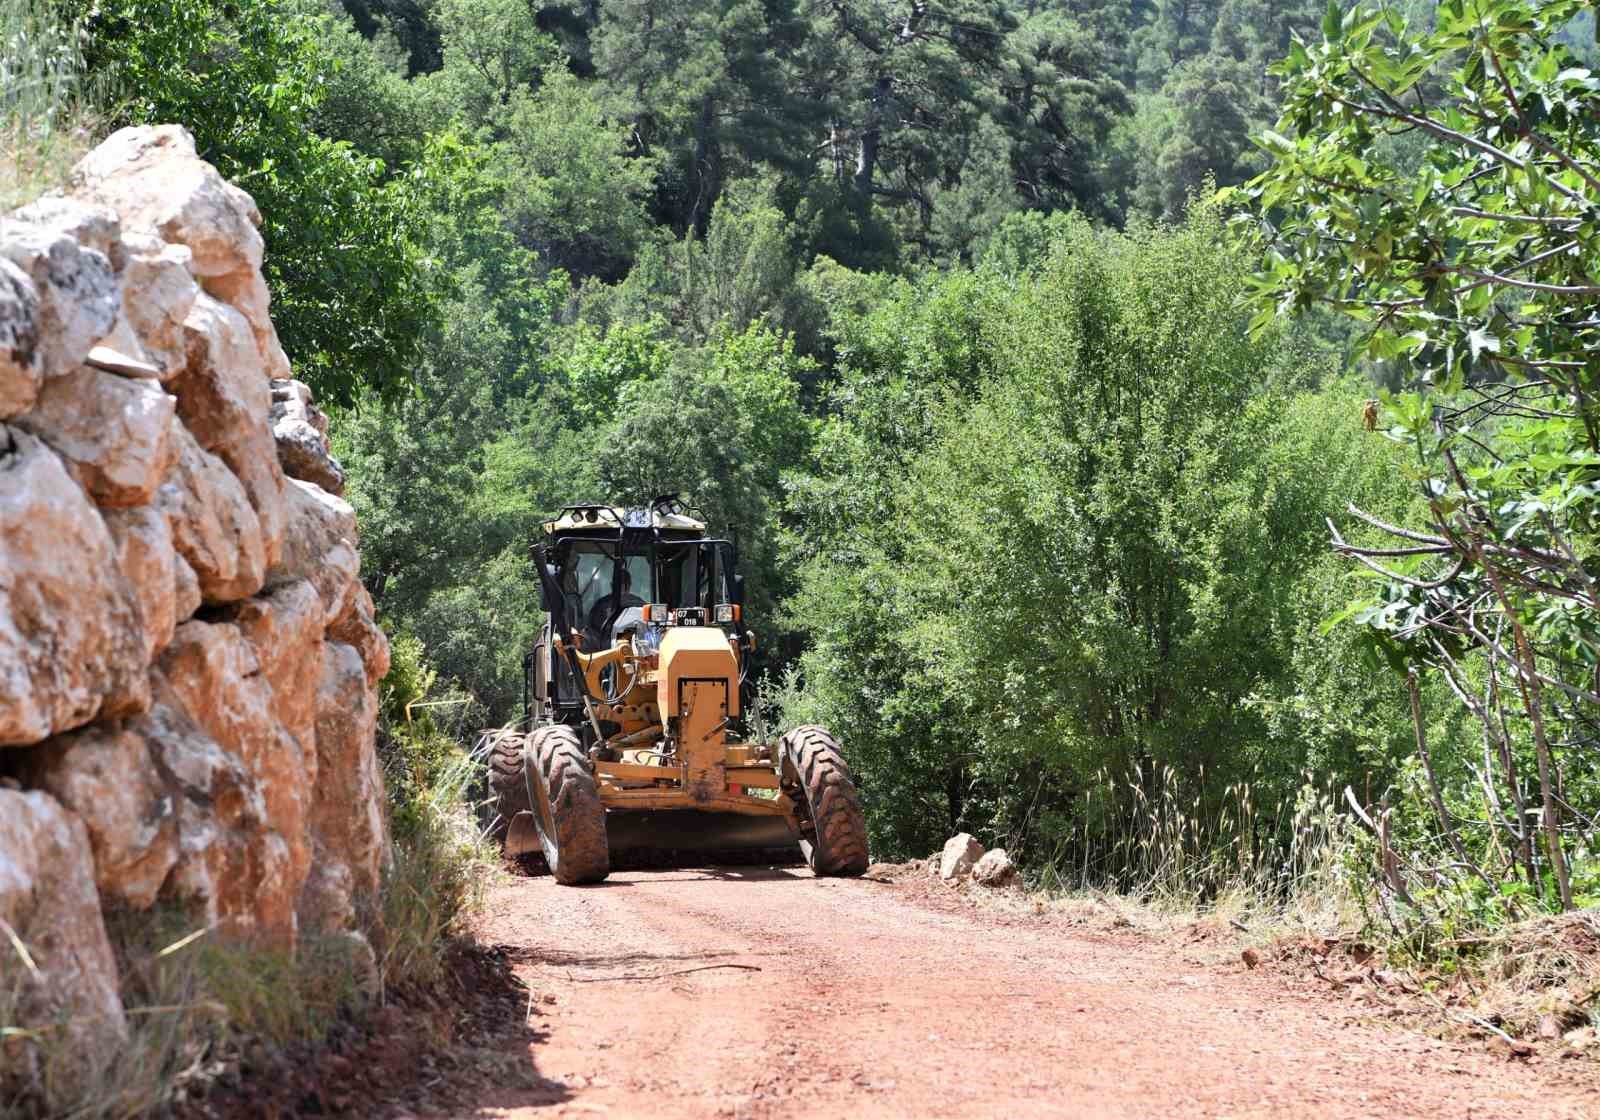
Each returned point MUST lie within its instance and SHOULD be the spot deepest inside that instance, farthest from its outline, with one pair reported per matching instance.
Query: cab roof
(591, 517)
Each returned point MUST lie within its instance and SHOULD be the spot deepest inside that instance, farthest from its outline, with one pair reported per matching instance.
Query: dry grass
(1147, 844)
(47, 122)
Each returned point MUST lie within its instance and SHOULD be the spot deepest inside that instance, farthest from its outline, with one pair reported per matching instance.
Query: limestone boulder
(347, 811)
(225, 859)
(994, 869)
(158, 292)
(285, 628)
(142, 542)
(319, 544)
(152, 177)
(358, 627)
(246, 292)
(960, 855)
(19, 340)
(105, 774)
(224, 399)
(48, 899)
(113, 433)
(214, 526)
(72, 641)
(95, 227)
(79, 295)
(327, 901)
(186, 596)
(215, 675)
(300, 430)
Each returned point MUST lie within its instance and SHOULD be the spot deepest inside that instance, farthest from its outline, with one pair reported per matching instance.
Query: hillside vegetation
(1028, 347)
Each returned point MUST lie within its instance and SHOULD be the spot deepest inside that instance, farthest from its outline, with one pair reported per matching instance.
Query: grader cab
(635, 702)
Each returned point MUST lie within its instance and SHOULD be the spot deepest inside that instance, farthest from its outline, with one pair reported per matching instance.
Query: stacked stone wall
(188, 659)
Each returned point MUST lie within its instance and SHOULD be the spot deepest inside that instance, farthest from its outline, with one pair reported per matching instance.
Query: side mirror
(738, 589)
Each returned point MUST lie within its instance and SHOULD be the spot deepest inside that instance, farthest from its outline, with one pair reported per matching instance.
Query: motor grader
(634, 698)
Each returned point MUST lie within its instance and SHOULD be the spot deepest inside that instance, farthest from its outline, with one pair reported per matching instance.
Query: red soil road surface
(875, 999)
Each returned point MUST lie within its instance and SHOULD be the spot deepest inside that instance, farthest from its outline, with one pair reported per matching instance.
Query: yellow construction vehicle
(634, 697)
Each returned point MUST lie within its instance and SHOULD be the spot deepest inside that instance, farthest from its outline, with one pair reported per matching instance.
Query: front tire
(833, 832)
(566, 806)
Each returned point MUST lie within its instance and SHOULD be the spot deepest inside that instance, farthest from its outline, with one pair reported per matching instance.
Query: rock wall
(188, 661)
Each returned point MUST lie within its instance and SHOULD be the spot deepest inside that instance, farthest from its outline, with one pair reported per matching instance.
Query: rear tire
(566, 806)
(508, 791)
(813, 773)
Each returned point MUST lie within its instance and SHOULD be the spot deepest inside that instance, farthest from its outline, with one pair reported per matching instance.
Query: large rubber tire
(566, 807)
(833, 831)
(508, 789)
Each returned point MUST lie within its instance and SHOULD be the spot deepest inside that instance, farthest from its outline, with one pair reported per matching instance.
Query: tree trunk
(871, 137)
(705, 172)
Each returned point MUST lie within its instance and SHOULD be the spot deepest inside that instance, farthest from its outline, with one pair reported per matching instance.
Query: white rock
(358, 627)
(106, 776)
(94, 227)
(19, 340)
(224, 856)
(961, 853)
(113, 432)
(71, 640)
(79, 296)
(225, 400)
(47, 896)
(995, 869)
(215, 674)
(285, 628)
(152, 177)
(214, 526)
(347, 813)
(319, 544)
(300, 429)
(246, 292)
(158, 291)
(142, 538)
(186, 596)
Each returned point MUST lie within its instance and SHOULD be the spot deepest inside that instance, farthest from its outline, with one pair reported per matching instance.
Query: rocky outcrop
(188, 660)
(113, 434)
(960, 855)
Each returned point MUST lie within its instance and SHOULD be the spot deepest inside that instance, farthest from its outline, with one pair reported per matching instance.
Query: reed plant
(48, 118)
(1171, 843)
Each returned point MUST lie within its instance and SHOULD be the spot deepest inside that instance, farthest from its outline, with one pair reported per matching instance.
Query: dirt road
(873, 1001)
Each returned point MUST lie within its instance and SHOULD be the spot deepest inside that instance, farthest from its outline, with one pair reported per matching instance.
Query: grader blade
(664, 837)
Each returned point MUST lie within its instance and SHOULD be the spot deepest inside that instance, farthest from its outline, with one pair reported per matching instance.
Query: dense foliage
(1031, 455)
(1459, 222)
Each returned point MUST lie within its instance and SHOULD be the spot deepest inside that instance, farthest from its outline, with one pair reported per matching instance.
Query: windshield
(587, 582)
(688, 574)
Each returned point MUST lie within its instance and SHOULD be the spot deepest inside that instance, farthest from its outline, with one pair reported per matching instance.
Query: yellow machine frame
(673, 750)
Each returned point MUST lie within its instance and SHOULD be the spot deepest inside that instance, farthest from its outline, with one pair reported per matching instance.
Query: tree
(575, 197)
(352, 298)
(906, 77)
(1474, 267)
(708, 89)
